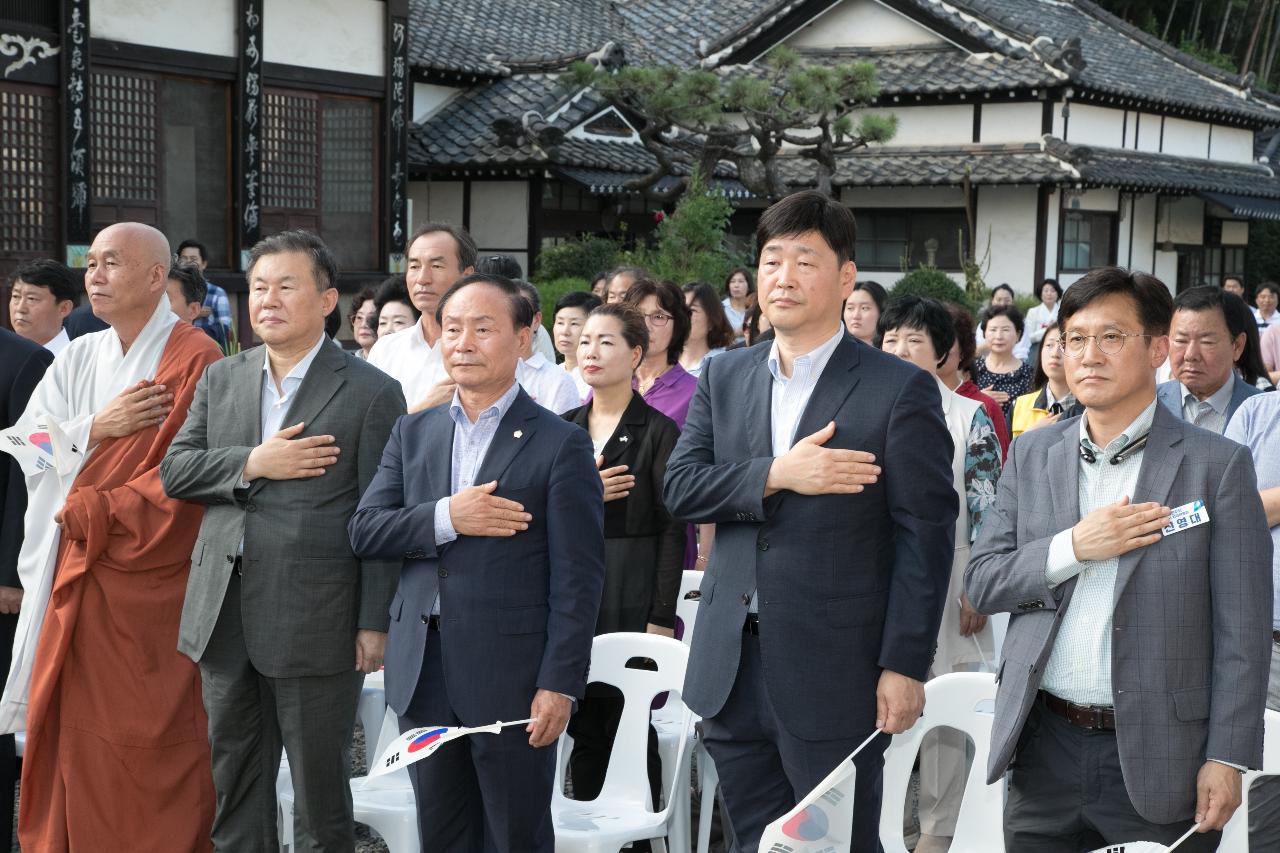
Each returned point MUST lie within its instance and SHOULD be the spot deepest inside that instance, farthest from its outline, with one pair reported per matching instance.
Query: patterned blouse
(981, 470)
(1014, 384)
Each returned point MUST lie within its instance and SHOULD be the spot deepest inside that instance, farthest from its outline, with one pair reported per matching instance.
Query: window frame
(1113, 232)
(910, 214)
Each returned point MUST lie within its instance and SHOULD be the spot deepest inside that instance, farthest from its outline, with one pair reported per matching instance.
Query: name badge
(1186, 517)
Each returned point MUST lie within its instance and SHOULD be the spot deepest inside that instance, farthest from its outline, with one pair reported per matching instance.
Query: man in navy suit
(22, 364)
(826, 467)
(497, 510)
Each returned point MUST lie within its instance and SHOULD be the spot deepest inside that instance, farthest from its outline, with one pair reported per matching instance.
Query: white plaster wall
(889, 279)
(1091, 125)
(1053, 205)
(1138, 254)
(1235, 233)
(435, 201)
(933, 125)
(1185, 221)
(1059, 123)
(1096, 199)
(1010, 122)
(500, 214)
(199, 26)
(429, 98)
(1006, 220)
(1186, 138)
(1232, 144)
(861, 23)
(1167, 269)
(1148, 131)
(856, 197)
(334, 35)
(1130, 129)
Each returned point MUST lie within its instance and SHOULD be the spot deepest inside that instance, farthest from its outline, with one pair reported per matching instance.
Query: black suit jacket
(643, 441)
(22, 364)
(849, 585)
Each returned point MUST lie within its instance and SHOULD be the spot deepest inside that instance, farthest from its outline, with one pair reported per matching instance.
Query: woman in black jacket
(644, 547)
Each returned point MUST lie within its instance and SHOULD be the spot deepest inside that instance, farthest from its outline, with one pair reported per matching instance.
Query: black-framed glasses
(1109, 343)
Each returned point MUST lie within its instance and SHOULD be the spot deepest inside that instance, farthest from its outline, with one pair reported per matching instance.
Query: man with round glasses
(1131, 550)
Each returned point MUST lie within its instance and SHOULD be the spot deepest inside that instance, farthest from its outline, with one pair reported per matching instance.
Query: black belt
(752, 625)
(433, 622)
(1094, 717)
(238, 566)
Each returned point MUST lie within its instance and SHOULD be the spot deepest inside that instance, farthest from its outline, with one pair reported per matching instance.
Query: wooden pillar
(78, 187)
(247, 135)
(396, 117)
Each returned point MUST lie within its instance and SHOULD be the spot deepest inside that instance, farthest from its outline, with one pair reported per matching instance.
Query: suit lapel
(834, 386)
(1161, 460)
(247, 398)
(758, 406)
(1064, 474)
(439, 450)
(514, 432)
(322, 381)
(628, 431)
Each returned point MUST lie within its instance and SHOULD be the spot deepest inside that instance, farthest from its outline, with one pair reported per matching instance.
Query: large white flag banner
(416, 744)
(823, 821)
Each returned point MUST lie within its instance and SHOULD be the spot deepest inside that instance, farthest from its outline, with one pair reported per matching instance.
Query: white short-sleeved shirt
(407, 357)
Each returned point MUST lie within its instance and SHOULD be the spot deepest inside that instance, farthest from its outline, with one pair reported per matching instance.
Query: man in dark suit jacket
(22, 364)
(495, 507)
(821, 605)
(281, 616)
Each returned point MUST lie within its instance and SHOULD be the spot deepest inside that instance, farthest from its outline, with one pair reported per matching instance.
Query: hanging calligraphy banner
(248, 149)
(75, 99)
(397, 135)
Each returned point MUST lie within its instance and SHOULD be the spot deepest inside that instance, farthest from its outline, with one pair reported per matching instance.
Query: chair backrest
(627, 780)
(964, 701)
(687, 605)
(1235, 835)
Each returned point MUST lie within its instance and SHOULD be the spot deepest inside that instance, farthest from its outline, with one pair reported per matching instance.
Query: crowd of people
(202, 556)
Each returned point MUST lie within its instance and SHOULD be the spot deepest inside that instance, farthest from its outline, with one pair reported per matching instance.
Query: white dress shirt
(406, 357)
(548, 384)
(58, 342)
(1210, 414)
(1079, 668)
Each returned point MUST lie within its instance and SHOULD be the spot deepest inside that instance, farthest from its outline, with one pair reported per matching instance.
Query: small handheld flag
(1147, 846)
(416, 744)
(823, 821)
(30, 445)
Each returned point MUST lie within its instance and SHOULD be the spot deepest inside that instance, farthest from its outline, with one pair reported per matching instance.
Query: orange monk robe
(117, 752)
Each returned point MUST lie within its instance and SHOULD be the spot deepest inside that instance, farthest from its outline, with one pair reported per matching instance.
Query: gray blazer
(1191, 646)
(1170, 394)
(304, 593)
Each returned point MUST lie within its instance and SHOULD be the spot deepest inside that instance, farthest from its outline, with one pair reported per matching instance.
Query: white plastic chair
(964, 701)
(687, 605)
(385, 803)
(667, 718)
(1235, 835)
(372, 704)
(622, 813)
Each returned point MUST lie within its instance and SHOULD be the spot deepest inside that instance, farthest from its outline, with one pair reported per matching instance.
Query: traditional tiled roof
(1119, 59)
(878, 166)
(941, 70)
(1144, 171)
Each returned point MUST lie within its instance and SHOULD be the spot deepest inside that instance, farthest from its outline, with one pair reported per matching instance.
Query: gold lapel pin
(518, 433)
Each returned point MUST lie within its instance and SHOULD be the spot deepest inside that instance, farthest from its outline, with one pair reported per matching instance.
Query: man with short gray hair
(282, 617)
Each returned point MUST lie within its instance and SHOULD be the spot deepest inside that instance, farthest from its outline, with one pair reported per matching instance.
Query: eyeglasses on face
(657, 319)
(1109, 343)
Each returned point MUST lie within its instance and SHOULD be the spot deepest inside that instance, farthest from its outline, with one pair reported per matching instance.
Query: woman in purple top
(664, 384)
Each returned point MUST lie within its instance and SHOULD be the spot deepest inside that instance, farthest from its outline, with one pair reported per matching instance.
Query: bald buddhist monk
(117, 755)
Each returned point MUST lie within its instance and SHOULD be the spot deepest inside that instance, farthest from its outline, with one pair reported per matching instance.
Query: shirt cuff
(444, 523)
(1229, 764)
(1061, 566)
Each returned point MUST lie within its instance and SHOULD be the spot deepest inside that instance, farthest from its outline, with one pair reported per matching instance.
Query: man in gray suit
(1139, 582)
(282, 617)
(1204, 345)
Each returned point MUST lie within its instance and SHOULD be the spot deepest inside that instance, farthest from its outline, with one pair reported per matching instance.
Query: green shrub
(931, 282)
(551, 291)
(581, 258)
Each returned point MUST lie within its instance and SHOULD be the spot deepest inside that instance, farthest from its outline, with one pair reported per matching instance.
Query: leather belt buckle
(1098, 718)
(752, 625)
